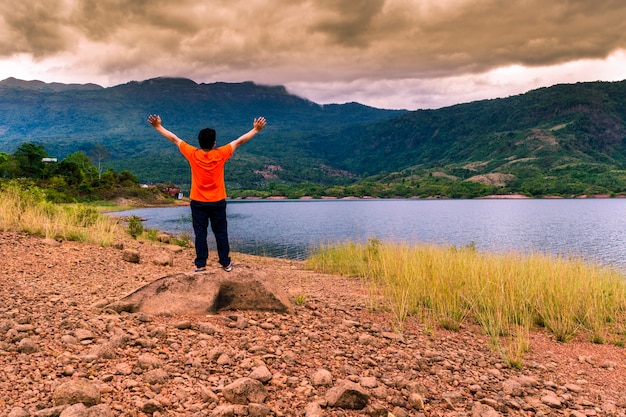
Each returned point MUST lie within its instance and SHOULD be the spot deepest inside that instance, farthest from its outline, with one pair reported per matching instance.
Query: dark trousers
(201, 214)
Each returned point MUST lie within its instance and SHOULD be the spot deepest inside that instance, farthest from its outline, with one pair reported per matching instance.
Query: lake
(590, 228)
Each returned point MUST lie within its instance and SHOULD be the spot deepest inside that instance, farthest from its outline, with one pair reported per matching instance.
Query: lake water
(592, 229)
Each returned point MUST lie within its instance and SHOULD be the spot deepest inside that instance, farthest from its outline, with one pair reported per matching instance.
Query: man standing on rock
(208, 191)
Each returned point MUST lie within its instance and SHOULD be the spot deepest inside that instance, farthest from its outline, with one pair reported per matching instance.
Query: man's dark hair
(206, 139)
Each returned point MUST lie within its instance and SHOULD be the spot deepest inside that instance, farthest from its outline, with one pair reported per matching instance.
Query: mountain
(568, 139)
(564, 139)
(42, 86)
(66, 120)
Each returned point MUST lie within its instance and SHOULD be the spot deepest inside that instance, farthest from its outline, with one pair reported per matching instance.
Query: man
(208, 191)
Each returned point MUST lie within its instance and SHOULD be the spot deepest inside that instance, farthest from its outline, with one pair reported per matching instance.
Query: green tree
(128, 179)
(9, 167)
(71, 172)
(108, 179)
(82, 161)
(335, 191)
(29, 157)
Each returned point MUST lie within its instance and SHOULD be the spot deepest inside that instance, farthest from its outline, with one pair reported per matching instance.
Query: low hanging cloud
(308, 42)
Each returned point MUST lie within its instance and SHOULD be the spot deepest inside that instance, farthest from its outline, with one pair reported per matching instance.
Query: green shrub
(135, 226)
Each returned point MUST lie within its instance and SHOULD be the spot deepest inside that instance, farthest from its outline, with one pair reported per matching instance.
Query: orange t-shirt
(207, 171)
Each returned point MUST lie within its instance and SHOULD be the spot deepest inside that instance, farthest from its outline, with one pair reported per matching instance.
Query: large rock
(347, 395)
(207, 292)
(245, 391)
(76, 391)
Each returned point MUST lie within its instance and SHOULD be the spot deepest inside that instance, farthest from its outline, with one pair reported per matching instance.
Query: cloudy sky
(385, 53)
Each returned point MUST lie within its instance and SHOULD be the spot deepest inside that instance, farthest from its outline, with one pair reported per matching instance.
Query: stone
(206, 328)
(261, 374)
(512, 387)
(348, 395)
(68, 339)
(376, 410)
(396, 337)
(245, 391)
(399, 412)
(483, 410)
(164, 238)
(148, 361)
(18, 412)
(76, 391)
(224, 360)
(50, 412)
(51, 242)
(183, 325)
(164, 259)
(151, 406)
(223, 411)
(208, 396)
(100, 410)
(104, 351)
(83, 334)
(416, 401)
(366, 339)
(552, 401)
(258, 410)
(454, 397)
(322, 377)
(368, 382)
(27, 345)
(155, 376)
(131, 255)
(76, 410)
(175, 249)
(313, 410)
(573, 388)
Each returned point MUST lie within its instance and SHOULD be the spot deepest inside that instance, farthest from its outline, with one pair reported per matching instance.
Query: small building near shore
(174, 192)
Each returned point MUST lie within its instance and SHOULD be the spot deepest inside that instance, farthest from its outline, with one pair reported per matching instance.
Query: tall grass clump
(23, 208)
(507, 294)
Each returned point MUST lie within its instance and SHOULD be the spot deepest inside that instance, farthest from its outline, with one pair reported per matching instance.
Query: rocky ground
(63, 353)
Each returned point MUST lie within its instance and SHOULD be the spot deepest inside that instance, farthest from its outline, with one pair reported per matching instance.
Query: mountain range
(565, 139)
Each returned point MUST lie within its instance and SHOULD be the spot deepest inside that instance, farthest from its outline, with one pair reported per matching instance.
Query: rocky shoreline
(63, 353)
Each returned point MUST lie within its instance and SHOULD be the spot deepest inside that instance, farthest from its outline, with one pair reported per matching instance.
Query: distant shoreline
(185, 202)
(488, 197)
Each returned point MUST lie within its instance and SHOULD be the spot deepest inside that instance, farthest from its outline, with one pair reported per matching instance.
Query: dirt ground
(53, 293)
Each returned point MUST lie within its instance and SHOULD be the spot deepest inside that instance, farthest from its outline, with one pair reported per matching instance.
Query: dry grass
(25, 209)
(506, 294)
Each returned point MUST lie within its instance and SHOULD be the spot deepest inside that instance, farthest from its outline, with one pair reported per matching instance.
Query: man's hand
(154, 120)
(259, 124)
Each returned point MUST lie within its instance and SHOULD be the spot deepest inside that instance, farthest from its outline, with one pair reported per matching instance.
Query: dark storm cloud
(352, 37)
(38, 28)
(348, 22)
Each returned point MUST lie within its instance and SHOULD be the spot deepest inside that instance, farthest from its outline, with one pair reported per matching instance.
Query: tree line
(79, 177)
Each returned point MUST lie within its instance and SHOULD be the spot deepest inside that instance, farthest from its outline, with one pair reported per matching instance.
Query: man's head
(206, 139)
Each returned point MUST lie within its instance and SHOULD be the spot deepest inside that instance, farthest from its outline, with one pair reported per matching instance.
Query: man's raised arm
(258, 125)
(155, 121)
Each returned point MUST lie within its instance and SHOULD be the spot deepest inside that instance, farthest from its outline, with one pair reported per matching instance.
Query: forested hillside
(566, 139)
